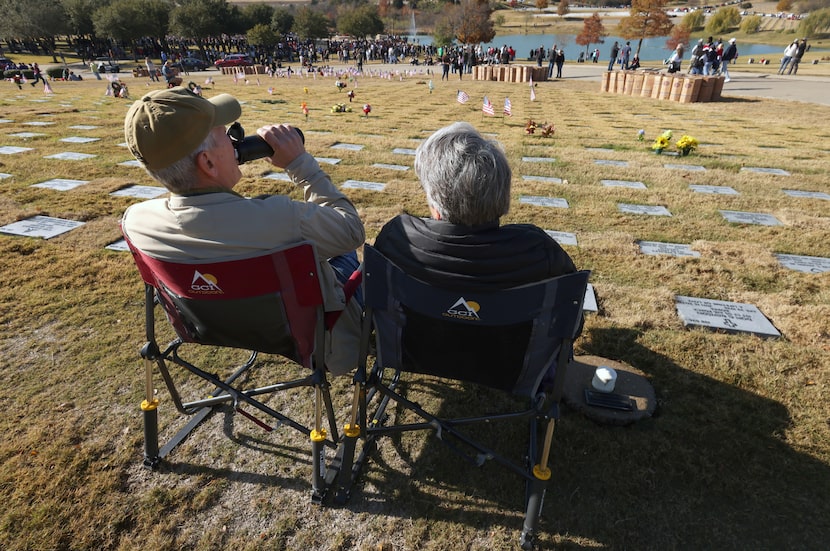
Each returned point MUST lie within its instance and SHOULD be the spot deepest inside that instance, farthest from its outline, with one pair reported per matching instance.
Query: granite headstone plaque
(26, 135)
(758, 218)
(357, 184)
(764, 170)
(327, 160)
(70, 156)
(590, 302)
(120, 246)
(39, 123)
(651, 210)
(717, 190)
(79, 139)
(347, 146)
(391, 167)
(61, 184)
(623, 183)
(671, 249)
(281, 176)
(547, 179)
(808, 194)
(12, 150)
(806, 264)
(403, 151)
(142, 192)
(4, 175)
(563, 238)
(691, 168)
(734, 317)
(544, 201)
(84, 127)
(41, 226)
(538, 159)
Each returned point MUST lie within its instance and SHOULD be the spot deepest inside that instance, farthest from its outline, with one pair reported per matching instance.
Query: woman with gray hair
(466, 178)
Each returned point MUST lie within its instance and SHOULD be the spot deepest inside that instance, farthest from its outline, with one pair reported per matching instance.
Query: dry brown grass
(737, 457)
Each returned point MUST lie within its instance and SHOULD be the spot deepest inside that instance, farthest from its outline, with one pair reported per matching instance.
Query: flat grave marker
(563, 238)
(623, 183)
(79, 139)
(39, 123)
(538, 159)
(26, 135)
(84, 127)
(142, 192)
(61, 184)
(41, 226)
(808, 194)
(544, 201)
(757, 218)
(547, 179)
(765, 170)
(120, 246)
(590, 302)
(403, 151)
(717, 190)
(4, 175)
(734, 317)
(651, 210)
(358, 184)
(609, 162)
(671, 249)
(391, 167)
(327, 160)
(281, 176)
(806, 264)
(348, 146)
(12, 150)
(692, 168)
(70, 156)
(5, 120)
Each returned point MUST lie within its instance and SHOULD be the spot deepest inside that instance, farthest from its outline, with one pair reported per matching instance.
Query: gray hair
(182, 175)
(466, 177)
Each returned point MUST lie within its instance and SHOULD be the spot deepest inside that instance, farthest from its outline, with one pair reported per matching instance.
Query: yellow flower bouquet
(686, 144)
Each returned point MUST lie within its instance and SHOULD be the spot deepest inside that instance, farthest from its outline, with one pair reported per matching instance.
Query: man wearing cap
(180, 139)
(730, 54)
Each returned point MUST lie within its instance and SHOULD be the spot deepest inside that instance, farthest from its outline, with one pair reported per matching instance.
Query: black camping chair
(516, 340)
(270, 303)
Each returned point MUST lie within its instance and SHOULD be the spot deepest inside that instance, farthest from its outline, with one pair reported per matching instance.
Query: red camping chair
(517, 340)
(270, 303)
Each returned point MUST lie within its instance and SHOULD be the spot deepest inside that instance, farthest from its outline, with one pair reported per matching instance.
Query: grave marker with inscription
(806, 264)
(357, 184)
(651, 210)
(391, 167)
(808, 194)
(61, 184)
(717, 190)
(692, 168)
(737, 217)
(544, 201)
(538, 159)
(547, 179)
(70, 156)
(41, 226)
(623, 183)
(142, 192)
(764, 170)
(563, 238)
(734, 317)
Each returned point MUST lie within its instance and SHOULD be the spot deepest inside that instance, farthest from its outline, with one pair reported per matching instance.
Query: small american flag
(488, 107)
(507, 107)
(462, 97)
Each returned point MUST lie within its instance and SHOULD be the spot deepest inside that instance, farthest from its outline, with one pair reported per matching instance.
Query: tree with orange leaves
(593, 31)
(648, 19)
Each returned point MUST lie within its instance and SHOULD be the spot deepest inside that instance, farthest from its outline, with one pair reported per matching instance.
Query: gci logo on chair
(204, 284)
(464, 309)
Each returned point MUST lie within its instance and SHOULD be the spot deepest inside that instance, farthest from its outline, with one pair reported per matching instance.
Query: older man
(180, 139)
(466, 179)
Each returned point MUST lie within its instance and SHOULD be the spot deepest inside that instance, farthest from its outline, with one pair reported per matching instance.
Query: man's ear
(205, 163)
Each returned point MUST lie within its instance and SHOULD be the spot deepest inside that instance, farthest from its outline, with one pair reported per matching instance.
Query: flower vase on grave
(658, 151)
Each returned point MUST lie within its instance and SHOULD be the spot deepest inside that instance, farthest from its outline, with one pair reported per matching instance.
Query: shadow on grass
(712, 470)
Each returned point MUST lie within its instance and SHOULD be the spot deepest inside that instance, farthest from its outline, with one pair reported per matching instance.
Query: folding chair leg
(318, 454)
(536, 490)
(149, 409)
(351, 432)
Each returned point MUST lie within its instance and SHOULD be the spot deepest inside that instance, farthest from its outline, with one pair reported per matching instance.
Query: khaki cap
(167, 125)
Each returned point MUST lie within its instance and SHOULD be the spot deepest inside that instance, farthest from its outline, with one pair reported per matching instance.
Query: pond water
(653, 49)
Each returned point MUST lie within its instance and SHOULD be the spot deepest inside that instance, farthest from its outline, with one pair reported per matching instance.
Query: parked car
(107, 65)
(6, 63)
(234, 60)
(190, 64)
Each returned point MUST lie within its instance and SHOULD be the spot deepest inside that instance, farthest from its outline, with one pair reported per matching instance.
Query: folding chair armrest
(349, 290)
